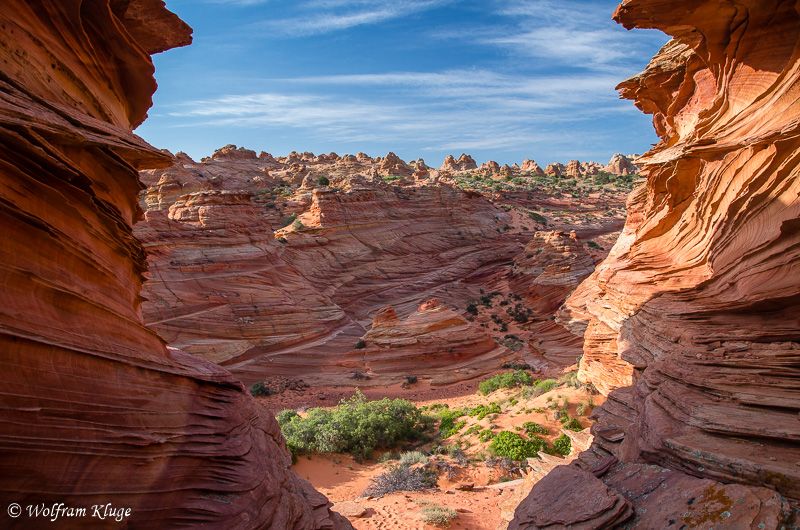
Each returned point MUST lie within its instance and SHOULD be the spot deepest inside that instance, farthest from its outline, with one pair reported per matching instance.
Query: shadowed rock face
(96, 409)
(695, 311)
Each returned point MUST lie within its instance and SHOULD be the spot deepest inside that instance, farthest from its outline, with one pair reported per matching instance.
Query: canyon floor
(470, 482)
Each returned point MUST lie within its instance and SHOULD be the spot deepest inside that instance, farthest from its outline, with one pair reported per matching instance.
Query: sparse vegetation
(361, 344)
(323, 180)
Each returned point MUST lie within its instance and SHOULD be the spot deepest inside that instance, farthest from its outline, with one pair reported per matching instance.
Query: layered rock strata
(230, 283)
(433, 342)
(96, 409)
(552, 265)
(695, 310)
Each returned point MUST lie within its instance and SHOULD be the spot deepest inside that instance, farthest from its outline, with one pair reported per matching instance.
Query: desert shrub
(472, 308)
(534, 428)
(570, 379)
(514, 446)
(540, 387)
(411, 379)
(573, 425)
(401, 478)
(448, 425)
(259, 390)
(297, 224)
(537, 217)
(481, 411)
(289, 220)
(485, 435)
(323, 180)
(435, 515)
(516, 366)
(506, 380)
(520, 313)
(413, 457)
(592, 244)
(388, 456)
(355, 426)
(562, 445)
(285, 416)
(475, 429)
(361, 344)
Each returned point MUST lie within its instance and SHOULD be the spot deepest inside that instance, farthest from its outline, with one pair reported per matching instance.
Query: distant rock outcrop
(691, 323)
(621, 165)
(464, 163)
(96, 409)
(450, 348)
(533, 167)
(555, 170)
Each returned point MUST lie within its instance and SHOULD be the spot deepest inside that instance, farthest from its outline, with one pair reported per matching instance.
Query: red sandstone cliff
(96, 409)
(230, 283)
(694, 317)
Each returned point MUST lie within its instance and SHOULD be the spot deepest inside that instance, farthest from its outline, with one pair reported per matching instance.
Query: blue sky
(501, 80)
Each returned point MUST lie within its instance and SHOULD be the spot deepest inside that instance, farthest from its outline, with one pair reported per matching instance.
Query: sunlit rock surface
(693, 317)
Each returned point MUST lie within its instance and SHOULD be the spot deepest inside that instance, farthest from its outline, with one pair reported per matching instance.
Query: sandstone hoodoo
(96, 409)
(696, 305)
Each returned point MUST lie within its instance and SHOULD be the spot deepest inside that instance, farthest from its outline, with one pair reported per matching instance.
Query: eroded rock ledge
(96, 409)
(692, 321)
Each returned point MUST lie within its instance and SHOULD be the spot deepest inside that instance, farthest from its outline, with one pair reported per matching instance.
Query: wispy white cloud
(472, 109)
(325, 16)
(568, 33)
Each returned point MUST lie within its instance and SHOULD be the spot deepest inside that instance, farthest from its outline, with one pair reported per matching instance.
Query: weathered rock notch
(692, 322)
(96, 409)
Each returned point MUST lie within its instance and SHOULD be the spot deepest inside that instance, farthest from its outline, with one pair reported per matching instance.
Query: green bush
(592, 244)
(485, 435)
(355, 426)
(506, 380)
(562, 445)
(573, 425)
(323, 181)
(512, 445)
(481, 411)
(285, 416)
(361, 344)
(297, 224)
(534, 428)
(448, 425)
(259, 390)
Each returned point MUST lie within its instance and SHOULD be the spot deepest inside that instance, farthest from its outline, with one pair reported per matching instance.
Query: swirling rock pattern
(693, 317)
(434, 341)
(96, 409)
(230, 283)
